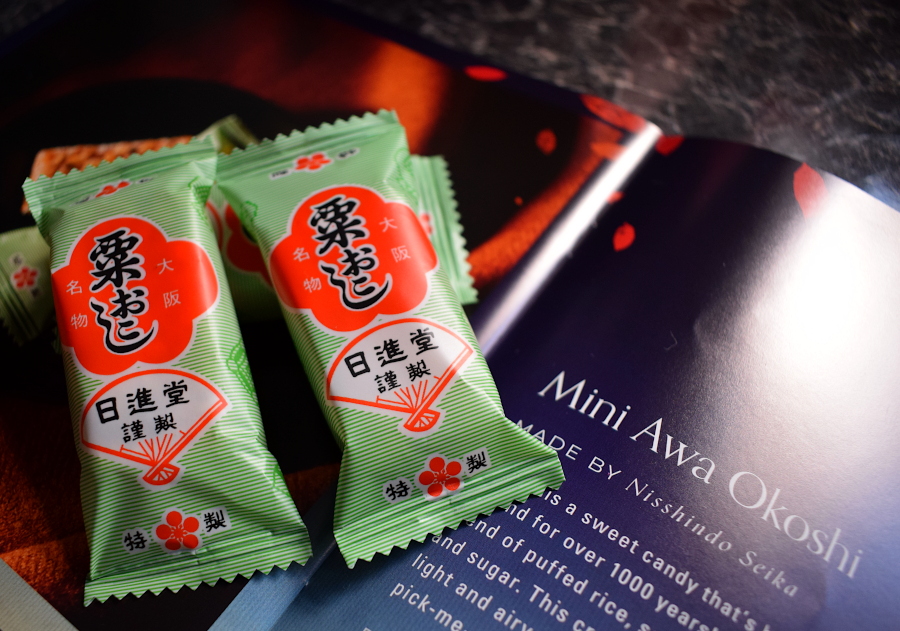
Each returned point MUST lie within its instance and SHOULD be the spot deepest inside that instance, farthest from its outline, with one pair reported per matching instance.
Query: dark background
(816, 81)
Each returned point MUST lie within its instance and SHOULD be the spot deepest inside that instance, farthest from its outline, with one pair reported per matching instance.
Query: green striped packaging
(437, 210)
(177, 485)
(382, 335)
(254, 297)
(228, 134)
(27, 310)
(26, 304)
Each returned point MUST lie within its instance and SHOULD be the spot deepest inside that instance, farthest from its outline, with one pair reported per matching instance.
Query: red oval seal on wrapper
(350, 256)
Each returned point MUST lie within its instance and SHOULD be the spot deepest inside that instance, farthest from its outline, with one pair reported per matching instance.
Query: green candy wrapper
(437, 212)
(251, 287)
(26, 303)
(177, 485)
(254, 296)
(27, 312)
(382, 336)
(228, 134)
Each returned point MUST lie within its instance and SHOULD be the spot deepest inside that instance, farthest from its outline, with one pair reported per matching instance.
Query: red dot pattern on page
(546, 141)
(485, 73)
(623, 237)
(667, 144)
(612, 113)
(809, 190)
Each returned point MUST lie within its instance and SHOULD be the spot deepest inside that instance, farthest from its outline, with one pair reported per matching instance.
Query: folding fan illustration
(149, 418)
(402, 366)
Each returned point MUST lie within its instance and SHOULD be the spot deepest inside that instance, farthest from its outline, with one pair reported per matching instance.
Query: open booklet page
(716, 362)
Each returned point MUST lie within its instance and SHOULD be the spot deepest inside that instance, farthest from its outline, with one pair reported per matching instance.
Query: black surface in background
(815, 81)
(130, 110)
(486, 134)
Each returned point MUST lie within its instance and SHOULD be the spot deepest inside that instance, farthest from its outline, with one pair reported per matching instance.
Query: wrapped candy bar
(252, 293)
(226, 134)
(251, 286)
(178, 487)
(248, 280)
(26, 304)
(55, 160)
(382, 335)
(437, 212)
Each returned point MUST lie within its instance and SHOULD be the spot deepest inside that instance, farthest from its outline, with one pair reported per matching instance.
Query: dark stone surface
(17, 14)
(817, 81)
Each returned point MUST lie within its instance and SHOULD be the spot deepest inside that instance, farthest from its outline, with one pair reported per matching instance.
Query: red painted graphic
(350, 256)
(612, 113)
(441, 477)
(623, 237)
(311, 163)
(546, 141)
(427, 223)
(809, 190)
(128, 294)
(485, 73)
(109, 189)
(148, 419)
(178, 532)
(402, 367)
(240, 250)
(608, 150)
(668, 144)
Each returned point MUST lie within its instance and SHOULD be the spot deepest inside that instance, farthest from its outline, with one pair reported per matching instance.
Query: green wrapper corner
(228, 134)
(47, 196)
(283, 550)
(378, 535)
(26, 300)
(437, 200)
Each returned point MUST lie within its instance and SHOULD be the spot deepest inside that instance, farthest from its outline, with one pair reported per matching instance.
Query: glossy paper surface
(716, 364)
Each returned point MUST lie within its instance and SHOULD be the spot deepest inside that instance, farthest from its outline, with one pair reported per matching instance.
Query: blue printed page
(716, 364)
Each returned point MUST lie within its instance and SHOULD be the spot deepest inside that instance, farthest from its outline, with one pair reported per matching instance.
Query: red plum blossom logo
(441, 477)
(178, 532)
